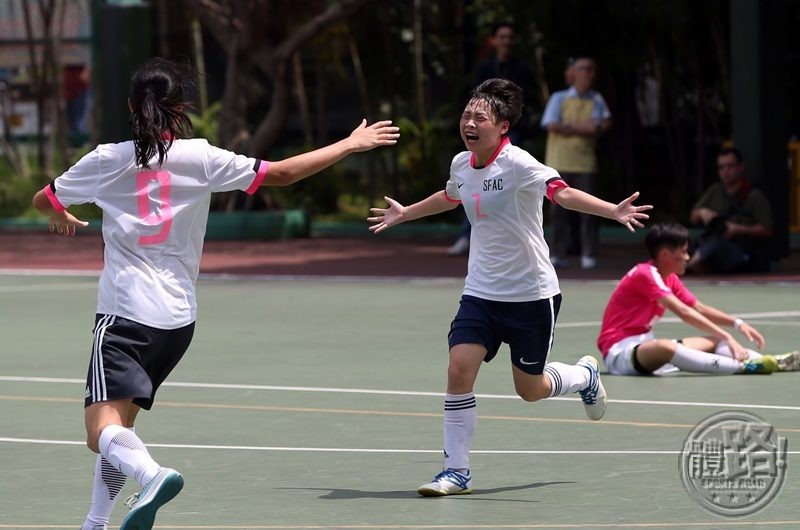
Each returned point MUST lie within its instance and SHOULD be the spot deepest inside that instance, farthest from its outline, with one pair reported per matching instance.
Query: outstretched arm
(60, 220)
(722, 318)
(625, 212)
(396, 213)
(363, 138)
(696, 319)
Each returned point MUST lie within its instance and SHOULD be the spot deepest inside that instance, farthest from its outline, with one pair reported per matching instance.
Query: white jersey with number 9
(154, 222)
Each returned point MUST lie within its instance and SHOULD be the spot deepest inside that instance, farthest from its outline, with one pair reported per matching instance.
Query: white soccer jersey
(508, 256)
(154, 222)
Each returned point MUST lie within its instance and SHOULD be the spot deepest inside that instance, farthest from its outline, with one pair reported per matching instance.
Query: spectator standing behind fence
(77, 97)
(737, 221)
(504, 64)
(574, 118)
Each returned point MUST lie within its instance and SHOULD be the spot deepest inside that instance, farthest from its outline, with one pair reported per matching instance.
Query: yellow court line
(707, 524)
(314, 410)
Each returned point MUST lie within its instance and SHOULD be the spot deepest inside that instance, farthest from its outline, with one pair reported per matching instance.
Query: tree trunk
(302, 98)
(271, 126)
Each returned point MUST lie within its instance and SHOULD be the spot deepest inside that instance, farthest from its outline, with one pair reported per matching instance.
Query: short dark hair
(504, 97)
(725, 151)
(500, 25)
(669, 235)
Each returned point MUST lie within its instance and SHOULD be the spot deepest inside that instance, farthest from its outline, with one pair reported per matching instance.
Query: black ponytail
(160, 93)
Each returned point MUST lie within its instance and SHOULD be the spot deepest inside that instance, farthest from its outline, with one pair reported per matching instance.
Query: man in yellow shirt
(574, 118)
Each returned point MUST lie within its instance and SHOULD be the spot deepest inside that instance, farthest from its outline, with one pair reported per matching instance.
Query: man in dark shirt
(505, 65)
(738, 222)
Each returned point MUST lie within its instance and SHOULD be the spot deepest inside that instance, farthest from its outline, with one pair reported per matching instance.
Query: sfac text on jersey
(493, 185)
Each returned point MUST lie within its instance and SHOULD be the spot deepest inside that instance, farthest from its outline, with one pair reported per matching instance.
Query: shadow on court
(350, 494)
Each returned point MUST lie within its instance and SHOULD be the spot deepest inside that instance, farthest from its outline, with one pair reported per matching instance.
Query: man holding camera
(737, 220)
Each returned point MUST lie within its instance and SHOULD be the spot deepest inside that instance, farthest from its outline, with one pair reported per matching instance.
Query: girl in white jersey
(511, 292)
(155, 192)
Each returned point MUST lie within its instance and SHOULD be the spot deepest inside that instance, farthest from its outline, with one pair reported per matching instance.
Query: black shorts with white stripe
(130, 360)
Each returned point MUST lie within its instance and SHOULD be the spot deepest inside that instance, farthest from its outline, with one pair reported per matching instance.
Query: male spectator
(626, 338)
(738, 222)
(505, 65)
(574, 118)
(77, 97)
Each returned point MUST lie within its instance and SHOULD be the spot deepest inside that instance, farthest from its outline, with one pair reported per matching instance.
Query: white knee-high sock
(691, 360)
(460, 420)
(723, 349)
(127, 453)
(566, 378)
(107, 485)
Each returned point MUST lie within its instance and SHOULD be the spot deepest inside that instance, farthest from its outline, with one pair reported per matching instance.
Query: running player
(640, 299)
(155, 194)
(511, 293)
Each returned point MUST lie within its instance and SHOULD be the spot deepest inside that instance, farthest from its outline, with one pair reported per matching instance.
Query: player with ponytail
(155, 192)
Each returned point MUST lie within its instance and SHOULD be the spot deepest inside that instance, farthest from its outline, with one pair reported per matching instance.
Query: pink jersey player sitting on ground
(643, 295)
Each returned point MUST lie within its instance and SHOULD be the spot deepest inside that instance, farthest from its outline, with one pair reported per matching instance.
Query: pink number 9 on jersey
(161, 215)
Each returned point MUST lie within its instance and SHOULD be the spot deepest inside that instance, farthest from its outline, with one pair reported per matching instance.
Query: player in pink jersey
(640, 299)
(155, 192)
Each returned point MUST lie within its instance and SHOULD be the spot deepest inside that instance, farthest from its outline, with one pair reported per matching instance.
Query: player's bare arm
(396, 213)
(63, 222)
(722, 318)
(626, 213)
(697, 320)
(363, 138)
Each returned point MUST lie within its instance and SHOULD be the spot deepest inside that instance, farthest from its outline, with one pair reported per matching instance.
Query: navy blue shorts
(527, 328)
(130, 360)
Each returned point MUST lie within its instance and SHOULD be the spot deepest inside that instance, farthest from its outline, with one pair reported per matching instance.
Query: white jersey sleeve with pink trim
(228, 171)
(78, 185)
(154, 222)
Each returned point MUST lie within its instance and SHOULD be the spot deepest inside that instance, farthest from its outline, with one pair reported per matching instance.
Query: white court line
(674, 320)
(377, 279)
(360, 449)
(406, 393)
(50, 272)
(225, 277)
(773, 323)
(51, 287)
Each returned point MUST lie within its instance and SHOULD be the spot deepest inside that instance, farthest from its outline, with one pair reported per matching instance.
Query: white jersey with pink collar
(634, 307)
(508, 256)
(154, 222)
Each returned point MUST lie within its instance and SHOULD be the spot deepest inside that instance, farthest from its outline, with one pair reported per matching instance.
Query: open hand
(386, 217)
(629, 215)
(752, 335)
(364, 137)
(737, 350)
(65, 223)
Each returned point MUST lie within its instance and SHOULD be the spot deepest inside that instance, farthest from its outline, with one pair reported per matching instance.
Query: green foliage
(206, 124)
(426, 149)
(16, 191)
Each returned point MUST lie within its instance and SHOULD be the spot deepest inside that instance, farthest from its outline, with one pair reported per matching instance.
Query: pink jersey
(634, 306)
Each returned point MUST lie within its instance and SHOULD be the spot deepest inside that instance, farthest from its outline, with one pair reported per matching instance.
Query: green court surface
(318, 405)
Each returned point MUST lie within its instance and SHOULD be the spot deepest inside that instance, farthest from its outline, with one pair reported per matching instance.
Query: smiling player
(511, 292)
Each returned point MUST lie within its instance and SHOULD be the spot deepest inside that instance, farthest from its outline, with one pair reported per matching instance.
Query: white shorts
(619, 359)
